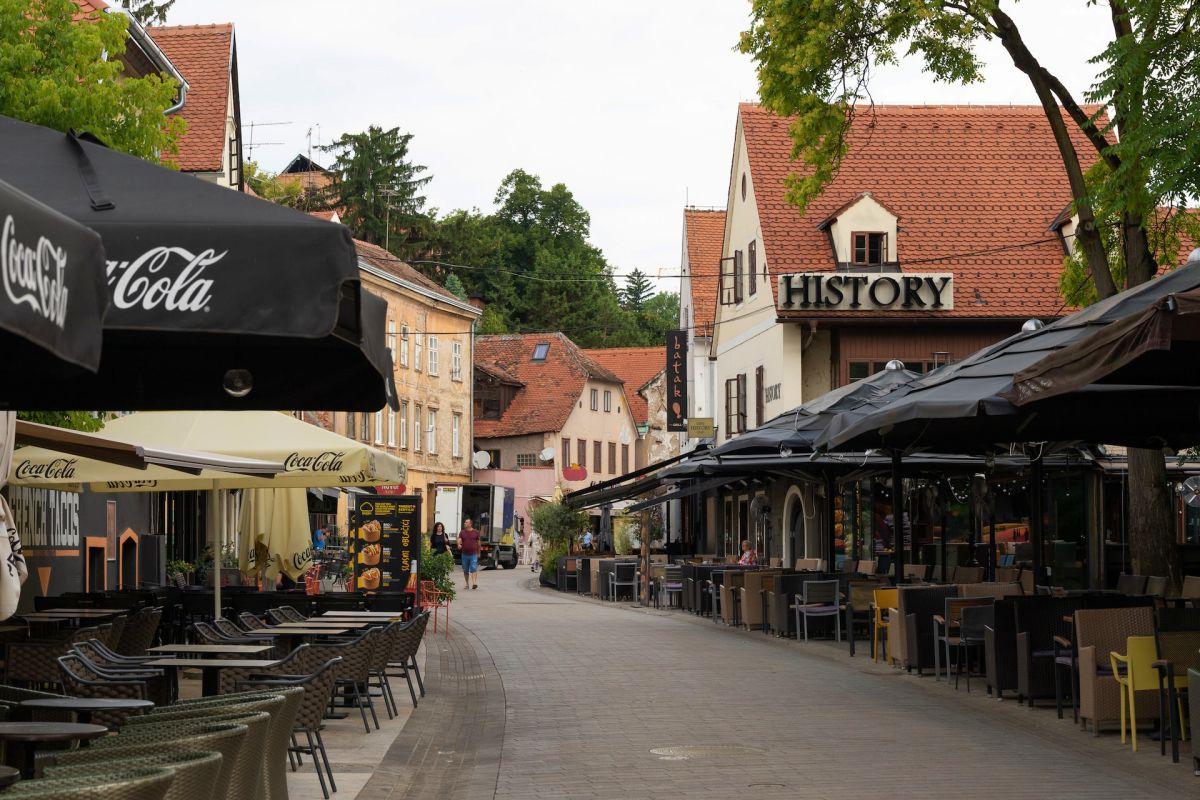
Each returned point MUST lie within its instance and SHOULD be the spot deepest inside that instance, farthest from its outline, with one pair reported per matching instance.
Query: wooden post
(898, 516)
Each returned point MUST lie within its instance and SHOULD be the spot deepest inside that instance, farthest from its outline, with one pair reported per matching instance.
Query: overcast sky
(630, 104)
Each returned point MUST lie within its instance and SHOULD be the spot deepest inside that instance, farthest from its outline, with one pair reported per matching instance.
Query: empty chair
(918, 572)
(623, 576)
(670, 586)
(1177, 637)
(141, 783)
(193, 771)
(1131, 584)
(139, 632)
(250, 622)
(849, 565)
(1134, 672)
(1191, 587)
(819, 599)
(968, 574)
(884, 601)
(866, 567)
(809, 564)
(946, 630)
(1098, 632)
(858, 607)
(404, 653)
(568, 575)
(1156, 587)
(971, 632)
(291, 614)
(352, 675)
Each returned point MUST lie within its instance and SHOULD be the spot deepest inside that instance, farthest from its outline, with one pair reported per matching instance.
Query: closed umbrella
(274, 534)
(218, 299)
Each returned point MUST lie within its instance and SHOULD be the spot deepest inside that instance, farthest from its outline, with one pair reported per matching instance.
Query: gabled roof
(636, 367)
(999, 183)
(301, 163)
(381, 259)
(552, 388)
(849, 204)
(204, 56)
(705, 232)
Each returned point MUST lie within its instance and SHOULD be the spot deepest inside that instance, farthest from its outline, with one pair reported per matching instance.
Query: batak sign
(839, 291)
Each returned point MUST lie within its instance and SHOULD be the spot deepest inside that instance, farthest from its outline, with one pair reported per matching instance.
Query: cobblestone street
(537, 694)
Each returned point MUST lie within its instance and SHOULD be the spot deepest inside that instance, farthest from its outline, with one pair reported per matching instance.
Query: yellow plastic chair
(884, 599)
(1134, 672)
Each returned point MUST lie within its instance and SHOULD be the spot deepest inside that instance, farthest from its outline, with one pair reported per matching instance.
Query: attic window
(540, 351)
(868, 249)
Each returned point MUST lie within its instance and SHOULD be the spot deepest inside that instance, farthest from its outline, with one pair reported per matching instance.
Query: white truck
(491, 509)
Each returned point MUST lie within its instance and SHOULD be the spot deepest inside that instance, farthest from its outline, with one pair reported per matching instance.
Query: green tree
(268, 186)
(149, 12)
(75, 420)
(637, 291)
(377, 189)
(454, 285)
(660, 315)
(815, 61)
(68, 75)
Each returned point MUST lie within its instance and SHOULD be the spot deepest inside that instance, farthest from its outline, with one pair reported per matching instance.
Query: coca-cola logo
(329, 461)
(131, 484)
(35, 276)
(58, 469)
(171, 277)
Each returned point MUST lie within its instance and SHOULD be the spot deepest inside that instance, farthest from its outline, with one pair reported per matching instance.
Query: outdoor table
(84, 707)
(210, 669)
(22, 738)
(288, 636)
(383, 615)
(212, 649)
(341, 623)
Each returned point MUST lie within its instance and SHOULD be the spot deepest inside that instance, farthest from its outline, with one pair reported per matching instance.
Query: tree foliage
(533, 264)
(75, 420)
(149, 12)
(377, 189)
(68, 75)
(637, 291)
(558, 522)
(268, 186)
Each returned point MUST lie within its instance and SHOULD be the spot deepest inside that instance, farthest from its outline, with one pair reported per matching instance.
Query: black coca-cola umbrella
(219, 300)
(52, 295)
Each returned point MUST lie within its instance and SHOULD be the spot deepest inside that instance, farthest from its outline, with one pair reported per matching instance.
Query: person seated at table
(749, 557)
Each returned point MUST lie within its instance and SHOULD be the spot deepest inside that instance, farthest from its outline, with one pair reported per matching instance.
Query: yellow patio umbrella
(274, 536)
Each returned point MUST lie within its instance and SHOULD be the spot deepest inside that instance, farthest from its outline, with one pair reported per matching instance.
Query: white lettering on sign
(46, 517)
(841, 291)
(163, 276)
(36, 275)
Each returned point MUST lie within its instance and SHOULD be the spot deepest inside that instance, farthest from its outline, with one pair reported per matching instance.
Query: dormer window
(540, 351)
(868, 248)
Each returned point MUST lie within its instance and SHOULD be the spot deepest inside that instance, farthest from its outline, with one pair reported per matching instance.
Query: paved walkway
(537, 694)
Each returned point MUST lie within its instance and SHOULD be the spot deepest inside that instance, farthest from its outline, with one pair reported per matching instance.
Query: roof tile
(203, 56)
(705, 232)
(635, 366)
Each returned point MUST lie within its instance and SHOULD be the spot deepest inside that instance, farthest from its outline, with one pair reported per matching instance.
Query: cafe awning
(219, 300)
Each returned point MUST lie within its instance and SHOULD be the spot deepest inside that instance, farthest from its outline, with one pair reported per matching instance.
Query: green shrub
(623, 536)
(556, 522)
(548, 554)
(437, 567)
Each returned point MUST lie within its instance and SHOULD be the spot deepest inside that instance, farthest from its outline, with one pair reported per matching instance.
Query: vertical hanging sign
(677, 352)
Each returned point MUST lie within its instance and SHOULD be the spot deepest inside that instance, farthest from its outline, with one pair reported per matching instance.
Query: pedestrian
(468, 547)
(437, 540)
(319, 539)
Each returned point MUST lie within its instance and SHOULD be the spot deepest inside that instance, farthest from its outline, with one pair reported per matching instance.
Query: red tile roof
(963, 178)
(203, 55)
(552, 387)
(89, 7)
(705, 232)
(377, 257)
(635, 366)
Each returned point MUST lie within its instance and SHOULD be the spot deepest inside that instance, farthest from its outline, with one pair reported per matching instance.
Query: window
(581, 452)
(456, 361)
(364, 426)
(418, 341)
(351, 418)
(868, 248)
(728, 293)
(431, 432)
(760, 400)
(456, 436)
(859, 370)
(735, 405)
(417, 431)
(379, 427)
(624, 458)
(391, 419)
(540, 351)
(607, 401)
(752, 255)
(433, 355)
(595, 399)
(527, 459)
(739, 269)
(597, 460)
(403, 424)
(612, 458)
(404, 345)
(565, 453)
(494, 459)
(391, 338)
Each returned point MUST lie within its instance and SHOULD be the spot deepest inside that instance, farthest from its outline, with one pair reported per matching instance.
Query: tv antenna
(251, 144)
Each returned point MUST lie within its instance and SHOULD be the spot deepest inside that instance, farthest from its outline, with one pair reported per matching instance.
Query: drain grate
(687, 752)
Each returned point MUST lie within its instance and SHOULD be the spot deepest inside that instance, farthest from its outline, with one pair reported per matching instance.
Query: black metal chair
(819, 599)
(971, 637)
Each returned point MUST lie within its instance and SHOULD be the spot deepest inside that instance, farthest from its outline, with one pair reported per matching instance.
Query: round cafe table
(21, 739)
(84, 707)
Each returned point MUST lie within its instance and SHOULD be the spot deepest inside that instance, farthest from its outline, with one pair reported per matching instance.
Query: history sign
(876, 291)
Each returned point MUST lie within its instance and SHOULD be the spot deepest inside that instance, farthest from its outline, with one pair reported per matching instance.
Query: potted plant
(180, 572)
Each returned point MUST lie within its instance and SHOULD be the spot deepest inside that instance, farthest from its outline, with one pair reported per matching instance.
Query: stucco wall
(597, 426)
(512, 446)
(865, 216)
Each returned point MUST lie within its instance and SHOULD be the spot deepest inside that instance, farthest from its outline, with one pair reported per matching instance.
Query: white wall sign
(844, 291)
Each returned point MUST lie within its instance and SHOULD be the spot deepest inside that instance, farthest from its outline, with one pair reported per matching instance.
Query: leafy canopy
(557, 522)
(68, 75)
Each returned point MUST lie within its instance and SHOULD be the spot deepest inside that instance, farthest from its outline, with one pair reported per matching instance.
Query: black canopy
(52, 295)
(964, 406)
(213, 291)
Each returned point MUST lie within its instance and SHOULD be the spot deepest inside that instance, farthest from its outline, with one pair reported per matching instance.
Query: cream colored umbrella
(274, 536)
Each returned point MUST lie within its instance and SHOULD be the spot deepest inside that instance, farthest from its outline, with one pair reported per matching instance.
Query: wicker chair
(81, 681)
(294, 663)
(35, 662)
(353, 672)
(250, 622)
(139, 632)
(158, 687)
(291, 614)
(1099, 632)
(246, 774)
(316, 690)
(193, 772)
(404, 653)
(107, 783)
(233, 632)
(277, 617)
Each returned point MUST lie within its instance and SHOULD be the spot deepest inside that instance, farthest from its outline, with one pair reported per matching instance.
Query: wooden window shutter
(741, 402)
(760, 400)
(753, 258)
(738, 273)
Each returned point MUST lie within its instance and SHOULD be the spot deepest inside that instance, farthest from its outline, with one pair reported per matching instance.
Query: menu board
(387, 542)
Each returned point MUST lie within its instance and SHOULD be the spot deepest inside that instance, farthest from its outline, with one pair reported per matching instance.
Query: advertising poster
(387, 538)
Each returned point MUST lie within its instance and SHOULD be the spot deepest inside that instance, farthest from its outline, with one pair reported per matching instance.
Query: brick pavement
(542, 695)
